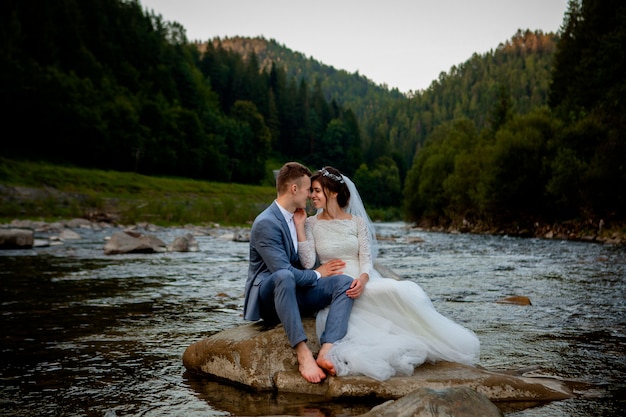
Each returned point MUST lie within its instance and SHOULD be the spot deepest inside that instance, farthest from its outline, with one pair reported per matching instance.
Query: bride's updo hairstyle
(331, 179)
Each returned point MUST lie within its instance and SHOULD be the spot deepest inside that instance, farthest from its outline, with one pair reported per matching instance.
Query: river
(85, 334)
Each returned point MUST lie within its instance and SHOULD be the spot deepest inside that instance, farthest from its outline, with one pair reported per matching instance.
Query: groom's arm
(271, 246)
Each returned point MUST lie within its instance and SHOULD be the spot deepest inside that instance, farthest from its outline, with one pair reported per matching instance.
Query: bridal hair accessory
(333, 177)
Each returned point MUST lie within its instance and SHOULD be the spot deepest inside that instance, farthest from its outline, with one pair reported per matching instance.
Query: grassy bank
(42, 191)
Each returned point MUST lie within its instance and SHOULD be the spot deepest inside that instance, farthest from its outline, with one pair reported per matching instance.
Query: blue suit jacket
(271, 249)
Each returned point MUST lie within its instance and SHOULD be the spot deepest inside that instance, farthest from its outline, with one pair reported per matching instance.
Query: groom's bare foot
(307, 365)
(324, 362)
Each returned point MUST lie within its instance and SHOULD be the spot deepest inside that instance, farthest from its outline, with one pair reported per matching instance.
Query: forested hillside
(548, 165)
(515, 75)
(105, 84)
(354, 91)
(513, 78)
(528, 133)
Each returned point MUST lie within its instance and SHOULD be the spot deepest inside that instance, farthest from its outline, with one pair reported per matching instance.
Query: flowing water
(84, 334)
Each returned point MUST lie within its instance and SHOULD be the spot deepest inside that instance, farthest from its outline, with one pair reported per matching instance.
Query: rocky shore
(137, 238)
(587, 230)
(21, 233)
(592, 231)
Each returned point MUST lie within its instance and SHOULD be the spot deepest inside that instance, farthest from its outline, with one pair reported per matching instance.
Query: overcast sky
(401, 43)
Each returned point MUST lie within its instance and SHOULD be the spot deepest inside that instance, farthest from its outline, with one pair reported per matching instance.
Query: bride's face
(318, 198)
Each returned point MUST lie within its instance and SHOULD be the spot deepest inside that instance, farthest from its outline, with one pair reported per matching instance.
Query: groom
(278, 289)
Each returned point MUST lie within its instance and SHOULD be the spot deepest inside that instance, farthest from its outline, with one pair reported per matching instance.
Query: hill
(353, 91)
(516, 72)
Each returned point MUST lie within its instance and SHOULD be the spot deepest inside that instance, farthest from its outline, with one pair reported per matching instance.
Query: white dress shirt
(292, 225)
(292, 228)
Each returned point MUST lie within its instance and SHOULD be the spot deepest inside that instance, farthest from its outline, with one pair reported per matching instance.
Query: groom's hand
(332, 267)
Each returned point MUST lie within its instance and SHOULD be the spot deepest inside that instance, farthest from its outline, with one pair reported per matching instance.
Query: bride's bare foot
(307, 365)
(324, 362)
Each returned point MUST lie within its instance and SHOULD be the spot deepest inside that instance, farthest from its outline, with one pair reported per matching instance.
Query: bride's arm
(365, 260)
(306, 243)
(365, 255)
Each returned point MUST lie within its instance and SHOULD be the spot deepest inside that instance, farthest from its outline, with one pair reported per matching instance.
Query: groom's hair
(290, 172)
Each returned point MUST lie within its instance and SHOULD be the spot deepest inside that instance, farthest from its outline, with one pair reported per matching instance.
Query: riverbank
(41, 191)
(45, 192)
(613, 233)
(49, 205)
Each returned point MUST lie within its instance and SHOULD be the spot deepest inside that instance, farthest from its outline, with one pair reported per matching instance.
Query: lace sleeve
(365, 254)
(306, 249)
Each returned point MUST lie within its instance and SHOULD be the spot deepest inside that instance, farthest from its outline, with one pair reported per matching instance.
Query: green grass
(62, 192)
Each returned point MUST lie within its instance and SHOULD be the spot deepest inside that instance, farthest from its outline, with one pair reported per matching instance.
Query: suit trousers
(282, 299)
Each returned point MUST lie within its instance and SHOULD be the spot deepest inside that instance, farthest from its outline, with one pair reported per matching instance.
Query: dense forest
(517, 71)
(105, 84)
(528, 133)
(558, 162)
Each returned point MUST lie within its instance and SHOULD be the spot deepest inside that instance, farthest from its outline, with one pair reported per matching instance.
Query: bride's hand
(299, 216)
(357, 286)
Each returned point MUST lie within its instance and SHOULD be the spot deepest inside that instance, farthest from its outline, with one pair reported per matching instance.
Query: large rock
(260, 357)
(131, 242)
(185, 243)
(16, 239)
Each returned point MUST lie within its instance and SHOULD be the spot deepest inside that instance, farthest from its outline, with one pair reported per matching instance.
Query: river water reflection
(89, 334)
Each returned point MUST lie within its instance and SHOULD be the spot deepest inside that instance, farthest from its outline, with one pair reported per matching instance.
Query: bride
(393, 326)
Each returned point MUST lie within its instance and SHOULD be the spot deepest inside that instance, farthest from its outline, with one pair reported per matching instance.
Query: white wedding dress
(393, 326)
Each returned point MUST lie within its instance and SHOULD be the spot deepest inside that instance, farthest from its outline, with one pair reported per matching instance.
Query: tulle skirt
(393, 328)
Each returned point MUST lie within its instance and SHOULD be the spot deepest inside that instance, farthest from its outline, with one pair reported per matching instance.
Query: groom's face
(303, 191)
